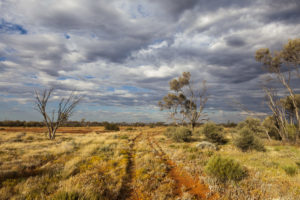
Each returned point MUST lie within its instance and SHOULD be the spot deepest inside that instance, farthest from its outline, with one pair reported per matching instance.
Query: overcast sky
(121, 54)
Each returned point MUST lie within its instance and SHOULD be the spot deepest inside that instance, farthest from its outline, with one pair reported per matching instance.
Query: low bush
(179, 134)
(214, 133)
(291, 131)
(298, 163)
(225, 169)
(290, 170)
(182, 134)
(111, 127)
(151, 126)
(248, 141)
(130, 129)
(169, 131)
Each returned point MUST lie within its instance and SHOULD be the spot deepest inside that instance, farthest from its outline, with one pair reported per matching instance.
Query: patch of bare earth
(183, 181)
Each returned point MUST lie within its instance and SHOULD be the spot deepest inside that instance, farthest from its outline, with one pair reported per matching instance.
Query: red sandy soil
(181, 177)
(60, 130)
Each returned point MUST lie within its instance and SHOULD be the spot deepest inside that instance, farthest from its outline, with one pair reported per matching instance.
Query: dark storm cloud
(284, 12)
(115, 36)
(235, 42)
(176, 7)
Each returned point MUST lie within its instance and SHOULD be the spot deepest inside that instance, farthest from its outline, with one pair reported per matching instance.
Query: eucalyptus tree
(283, 66)
(184, 102)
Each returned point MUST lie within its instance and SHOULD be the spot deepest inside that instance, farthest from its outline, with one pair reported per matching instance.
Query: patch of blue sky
(134, 89)
(67, 77)
(7, 95)
(157, 41)
(32, 84)
(2, 59)
(110, 89)
(10, 28)
(67, 36)
(10, 50)
(89, 77)
(137, 11)
(142, 11)
(33, 76)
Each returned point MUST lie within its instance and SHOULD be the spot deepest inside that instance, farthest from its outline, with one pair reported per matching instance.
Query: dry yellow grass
(101, 165)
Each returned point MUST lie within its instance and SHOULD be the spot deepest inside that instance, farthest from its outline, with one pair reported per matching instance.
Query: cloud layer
(120, 55)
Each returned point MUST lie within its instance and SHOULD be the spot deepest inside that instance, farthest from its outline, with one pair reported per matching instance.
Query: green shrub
(213, 133)
(247, 141)
(298, 163)
(252, 123)
(111, 127)
(66, 196)
(291, 130)
(290, 170)
(151, 126)
(198, 131)
(124, 137)
(182, 134)
(130, 129)
(179, 134)
(225, 169)
(169, 131)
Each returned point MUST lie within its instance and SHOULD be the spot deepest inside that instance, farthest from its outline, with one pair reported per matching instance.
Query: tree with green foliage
(282, 66)
(184, 102)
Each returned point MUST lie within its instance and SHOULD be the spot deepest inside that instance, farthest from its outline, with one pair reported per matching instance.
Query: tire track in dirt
(127, 190)
(181, 177)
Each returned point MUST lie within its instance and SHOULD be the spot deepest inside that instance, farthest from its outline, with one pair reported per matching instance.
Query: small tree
(65, 110)
(184, 102)
(283, 66)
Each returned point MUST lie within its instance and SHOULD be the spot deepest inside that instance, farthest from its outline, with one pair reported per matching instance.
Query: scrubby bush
(291, 131)
(254, 125)
(151, 126)
(290, 170)
(248, 141)
(225, 169)
(214, 133)
(111, 126)
(130, 129)
(179, 134)
(182, 134)
(169, 131)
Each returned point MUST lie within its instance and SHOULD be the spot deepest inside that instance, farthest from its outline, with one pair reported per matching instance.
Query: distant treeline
(82, 123)
(18, 123)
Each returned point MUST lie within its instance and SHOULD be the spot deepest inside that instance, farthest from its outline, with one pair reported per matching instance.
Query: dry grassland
(90, 163)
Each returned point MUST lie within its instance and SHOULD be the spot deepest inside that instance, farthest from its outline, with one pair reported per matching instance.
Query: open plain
(134, 163)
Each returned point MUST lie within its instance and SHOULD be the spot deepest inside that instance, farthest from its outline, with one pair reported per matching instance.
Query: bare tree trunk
(293, 98)
(277, 112)
(268, 135)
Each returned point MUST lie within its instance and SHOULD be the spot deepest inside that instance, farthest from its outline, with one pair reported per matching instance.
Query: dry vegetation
(137, 163)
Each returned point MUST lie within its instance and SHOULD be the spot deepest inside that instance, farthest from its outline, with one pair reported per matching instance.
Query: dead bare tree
(55, 119)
